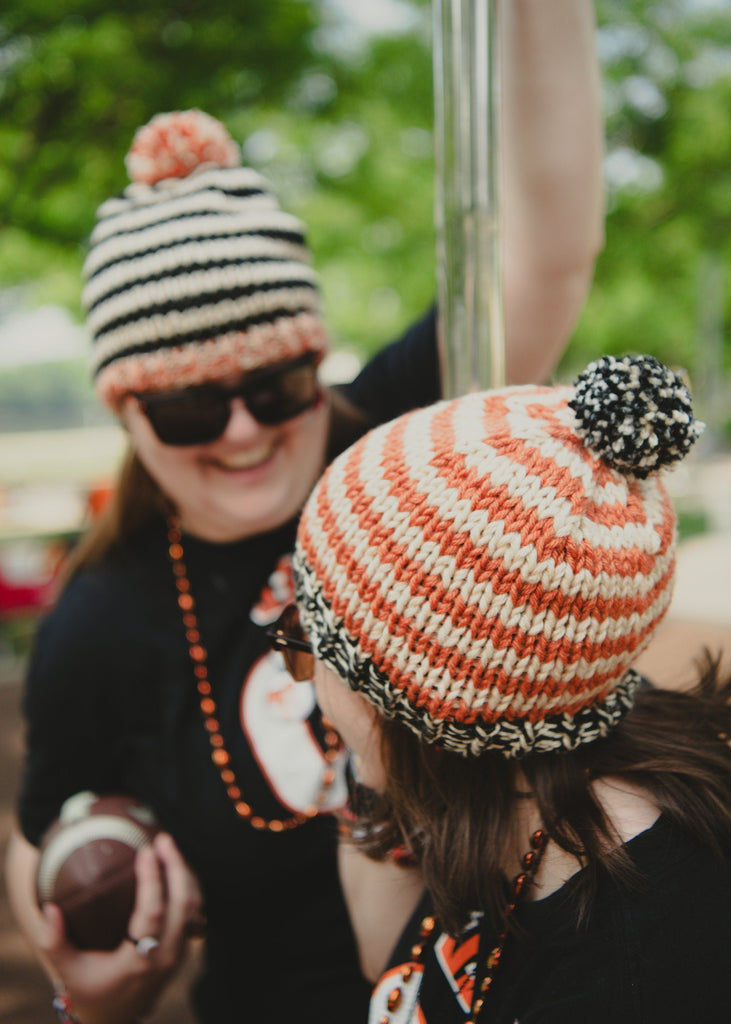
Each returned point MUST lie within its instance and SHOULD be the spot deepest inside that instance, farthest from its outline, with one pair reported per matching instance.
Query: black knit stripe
(242, 181)
(288, 240)
(514, 737)
(241, 325)
(196, 292)
(171, 273)
(194, 302)
(212, 204)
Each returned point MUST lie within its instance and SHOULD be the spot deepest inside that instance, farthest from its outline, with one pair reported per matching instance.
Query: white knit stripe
(216, 205)
(214, 318)
(481, 655)
(425, 554)
(146, 298)
(224, 179)
(232, 353)
(443, 632)
(192, 254)
(530, 488)
(164, 232)
(527, 489)
(491, 702)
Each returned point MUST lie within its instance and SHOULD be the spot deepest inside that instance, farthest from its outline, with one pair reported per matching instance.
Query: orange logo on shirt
(458, 960)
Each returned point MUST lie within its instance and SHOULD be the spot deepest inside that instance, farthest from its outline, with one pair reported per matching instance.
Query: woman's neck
(629, 809)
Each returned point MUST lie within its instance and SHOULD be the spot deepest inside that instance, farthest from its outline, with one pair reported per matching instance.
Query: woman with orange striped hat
(475, 581)
(153, 674)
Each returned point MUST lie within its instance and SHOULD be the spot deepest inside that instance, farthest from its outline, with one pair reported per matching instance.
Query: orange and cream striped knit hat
(194, 273)
(487, 569)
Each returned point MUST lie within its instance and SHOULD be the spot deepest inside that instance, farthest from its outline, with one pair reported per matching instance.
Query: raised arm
(552, 194)
(552, 205)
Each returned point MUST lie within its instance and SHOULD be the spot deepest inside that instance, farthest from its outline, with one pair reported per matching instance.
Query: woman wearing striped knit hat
(475, 581)
(153, 674)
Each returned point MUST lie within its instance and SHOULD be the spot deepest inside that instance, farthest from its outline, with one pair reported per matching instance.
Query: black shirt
(658, 952)
(111, 705)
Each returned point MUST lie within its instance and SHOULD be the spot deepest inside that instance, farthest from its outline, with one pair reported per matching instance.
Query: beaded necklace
(521, 884)
(219, 755)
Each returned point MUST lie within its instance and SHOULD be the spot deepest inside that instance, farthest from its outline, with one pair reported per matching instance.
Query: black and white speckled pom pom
(635, 413)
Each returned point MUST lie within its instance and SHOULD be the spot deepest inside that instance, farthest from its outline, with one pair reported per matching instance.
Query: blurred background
(333, 102)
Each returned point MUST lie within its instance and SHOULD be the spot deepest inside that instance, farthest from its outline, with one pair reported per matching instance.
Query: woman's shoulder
(654, 947)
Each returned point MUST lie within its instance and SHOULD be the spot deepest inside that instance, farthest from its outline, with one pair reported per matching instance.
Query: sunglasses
(288, 636)
(200, 414)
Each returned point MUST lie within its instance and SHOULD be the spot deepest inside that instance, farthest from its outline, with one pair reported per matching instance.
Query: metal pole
(469, 269)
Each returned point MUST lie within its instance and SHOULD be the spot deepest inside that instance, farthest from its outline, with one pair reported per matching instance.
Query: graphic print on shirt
(458, 961)
(277, 593)
(275, 712)
(406, 1009)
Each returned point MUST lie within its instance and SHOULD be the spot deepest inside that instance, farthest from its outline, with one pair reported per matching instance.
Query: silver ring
(144, 946)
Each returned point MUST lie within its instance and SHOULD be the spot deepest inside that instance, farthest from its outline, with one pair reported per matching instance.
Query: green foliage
(345, 136)
(668, 79)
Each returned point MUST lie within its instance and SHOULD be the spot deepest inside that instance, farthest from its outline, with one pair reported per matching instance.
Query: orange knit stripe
(398, 625)
(507, 507)
(618, 564)
(462, 668)
(547, 470)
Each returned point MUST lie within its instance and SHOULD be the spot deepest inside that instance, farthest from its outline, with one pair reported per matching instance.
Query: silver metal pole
(469, 269)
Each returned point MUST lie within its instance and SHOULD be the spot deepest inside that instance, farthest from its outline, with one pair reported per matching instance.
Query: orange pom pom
(173, 145)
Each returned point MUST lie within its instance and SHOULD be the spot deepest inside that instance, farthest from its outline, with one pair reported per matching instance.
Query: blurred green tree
(77, 77)
(667, 74)
(341, 124)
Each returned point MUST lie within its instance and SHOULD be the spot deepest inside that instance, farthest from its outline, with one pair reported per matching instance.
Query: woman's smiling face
(252, 479)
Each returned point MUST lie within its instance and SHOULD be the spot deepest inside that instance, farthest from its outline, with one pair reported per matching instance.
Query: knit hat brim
(213, 359)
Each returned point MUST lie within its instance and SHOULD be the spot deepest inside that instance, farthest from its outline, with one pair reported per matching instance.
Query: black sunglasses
(200, 414)
(288, 636)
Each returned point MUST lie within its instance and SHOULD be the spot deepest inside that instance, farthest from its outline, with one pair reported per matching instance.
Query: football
(87, 865)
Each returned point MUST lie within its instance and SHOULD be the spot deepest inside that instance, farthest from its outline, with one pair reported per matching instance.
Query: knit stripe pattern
(196, 279)
(478, 573)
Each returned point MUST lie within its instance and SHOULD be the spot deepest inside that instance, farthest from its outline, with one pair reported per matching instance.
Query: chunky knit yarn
(194, 272)
(478, 572)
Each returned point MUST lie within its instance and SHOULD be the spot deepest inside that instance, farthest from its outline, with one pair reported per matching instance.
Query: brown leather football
(87, 865)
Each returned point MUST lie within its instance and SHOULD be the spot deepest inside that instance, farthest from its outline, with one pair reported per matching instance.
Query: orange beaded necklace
(219, 755)
(521, 883)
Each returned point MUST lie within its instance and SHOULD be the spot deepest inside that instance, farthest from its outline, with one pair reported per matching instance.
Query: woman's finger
(184, 900)
(146, 924)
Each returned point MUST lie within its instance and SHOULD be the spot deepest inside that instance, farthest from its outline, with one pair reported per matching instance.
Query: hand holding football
(87, 865)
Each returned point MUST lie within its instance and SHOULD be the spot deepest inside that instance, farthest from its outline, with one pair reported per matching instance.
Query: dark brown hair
(137, 499)
(459, 815)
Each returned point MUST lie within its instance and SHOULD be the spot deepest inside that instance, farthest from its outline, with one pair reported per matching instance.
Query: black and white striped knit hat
(194, 272)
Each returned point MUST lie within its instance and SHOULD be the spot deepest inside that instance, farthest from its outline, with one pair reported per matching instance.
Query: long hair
(136, 501)
(459, 815)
